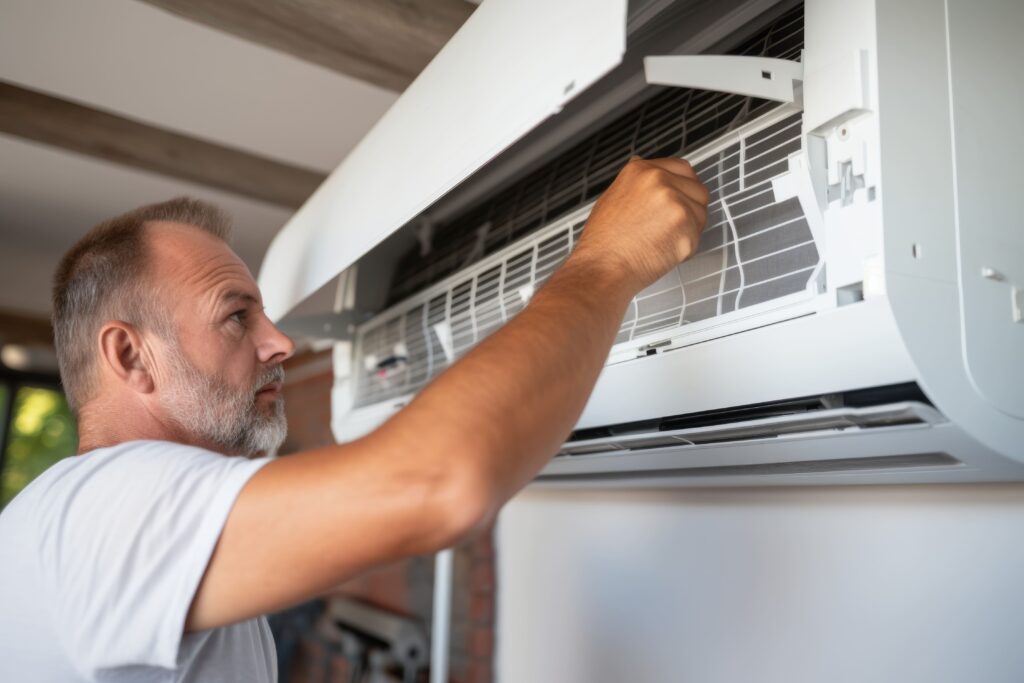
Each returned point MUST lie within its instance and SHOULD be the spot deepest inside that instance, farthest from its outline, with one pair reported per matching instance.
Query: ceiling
(145, 64)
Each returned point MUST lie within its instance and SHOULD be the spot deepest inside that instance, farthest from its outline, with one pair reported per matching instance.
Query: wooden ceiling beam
(25, 329)
(54, 121)
(384, 42)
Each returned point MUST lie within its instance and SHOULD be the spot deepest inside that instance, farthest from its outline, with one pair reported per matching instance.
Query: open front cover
(513, 64)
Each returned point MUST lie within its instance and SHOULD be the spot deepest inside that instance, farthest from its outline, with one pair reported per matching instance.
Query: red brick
(483, 546)
(387, 587)
(479, 671)
(481, 608)
(481, 642)
(482, 577)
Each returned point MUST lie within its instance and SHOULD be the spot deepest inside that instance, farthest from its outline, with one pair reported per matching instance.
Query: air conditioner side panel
(986, 100)
(919, 200)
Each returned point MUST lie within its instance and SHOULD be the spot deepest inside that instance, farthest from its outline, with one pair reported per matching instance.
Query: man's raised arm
(445, 464)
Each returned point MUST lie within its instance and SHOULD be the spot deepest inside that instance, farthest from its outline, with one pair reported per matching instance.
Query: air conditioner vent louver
(672, 122)
(754, 250)
(797, 423)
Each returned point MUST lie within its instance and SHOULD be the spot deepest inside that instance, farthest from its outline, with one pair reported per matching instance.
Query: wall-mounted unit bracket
(762, 77)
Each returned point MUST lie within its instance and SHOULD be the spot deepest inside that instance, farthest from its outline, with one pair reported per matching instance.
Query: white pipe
(440, 634)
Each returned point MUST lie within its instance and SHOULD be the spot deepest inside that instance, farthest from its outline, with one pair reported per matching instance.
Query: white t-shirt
(100, 558)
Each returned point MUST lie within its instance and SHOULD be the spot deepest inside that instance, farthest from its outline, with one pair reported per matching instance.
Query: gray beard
(212, 412)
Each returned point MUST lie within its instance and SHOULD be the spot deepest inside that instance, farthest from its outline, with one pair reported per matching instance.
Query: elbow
(466, 502)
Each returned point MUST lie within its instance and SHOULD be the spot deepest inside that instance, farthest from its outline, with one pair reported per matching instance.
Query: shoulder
(107, 499)
(132, 478)
(129, 465)
(121, 537)
(147, 469)
(157, 457)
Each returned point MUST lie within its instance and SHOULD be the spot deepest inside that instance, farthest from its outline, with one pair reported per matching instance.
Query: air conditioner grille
(672, 122)
(753, 250)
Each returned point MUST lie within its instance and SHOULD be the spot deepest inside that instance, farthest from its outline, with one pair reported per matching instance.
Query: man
(152, 556)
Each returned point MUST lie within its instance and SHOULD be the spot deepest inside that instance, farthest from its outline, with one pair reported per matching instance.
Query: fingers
(681, 176)
(673, 165)
(697, 209)
(675, 177)
(694, 190)
(664, 205)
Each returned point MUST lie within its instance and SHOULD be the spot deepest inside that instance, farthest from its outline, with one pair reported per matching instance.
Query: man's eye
(238, 316)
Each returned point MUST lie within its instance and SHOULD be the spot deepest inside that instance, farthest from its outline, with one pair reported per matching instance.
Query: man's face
(244, 420)
(220, 377)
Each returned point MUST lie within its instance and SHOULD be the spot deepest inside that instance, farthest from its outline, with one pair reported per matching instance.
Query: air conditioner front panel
(469, 104)
(833, 350)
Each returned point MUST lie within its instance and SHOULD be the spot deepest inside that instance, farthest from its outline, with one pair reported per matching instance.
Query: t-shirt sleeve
(129, 546)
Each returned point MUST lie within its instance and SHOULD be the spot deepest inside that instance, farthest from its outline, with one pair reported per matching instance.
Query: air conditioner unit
(855, 311)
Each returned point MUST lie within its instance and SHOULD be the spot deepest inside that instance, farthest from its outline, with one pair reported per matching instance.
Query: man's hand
(648, 221)
(444, 465)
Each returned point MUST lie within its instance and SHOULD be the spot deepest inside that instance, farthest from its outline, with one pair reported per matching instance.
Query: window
(39, 431)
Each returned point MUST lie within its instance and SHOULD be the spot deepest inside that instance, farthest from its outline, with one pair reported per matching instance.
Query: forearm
(504, 409)
(431, 474)
(471, 439)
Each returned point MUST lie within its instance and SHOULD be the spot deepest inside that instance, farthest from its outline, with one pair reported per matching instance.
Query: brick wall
(404, 587)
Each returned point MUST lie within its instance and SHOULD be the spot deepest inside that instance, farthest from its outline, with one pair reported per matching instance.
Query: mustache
(274, 373)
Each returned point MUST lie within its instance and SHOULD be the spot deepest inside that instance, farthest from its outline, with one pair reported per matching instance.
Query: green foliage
(42, 432)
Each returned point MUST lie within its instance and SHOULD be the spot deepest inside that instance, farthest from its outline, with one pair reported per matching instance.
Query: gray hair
(101, 278)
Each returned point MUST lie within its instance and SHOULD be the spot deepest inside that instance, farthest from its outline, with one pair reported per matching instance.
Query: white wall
(819, 584)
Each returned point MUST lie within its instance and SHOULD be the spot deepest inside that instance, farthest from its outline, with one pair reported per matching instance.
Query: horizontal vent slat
(775, 468)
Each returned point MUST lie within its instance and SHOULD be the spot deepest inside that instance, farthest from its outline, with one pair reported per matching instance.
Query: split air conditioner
(855, 312)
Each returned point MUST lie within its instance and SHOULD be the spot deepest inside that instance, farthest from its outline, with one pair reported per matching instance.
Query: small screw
(916, 250)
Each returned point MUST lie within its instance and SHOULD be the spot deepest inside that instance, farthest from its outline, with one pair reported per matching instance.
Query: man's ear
(124, 356)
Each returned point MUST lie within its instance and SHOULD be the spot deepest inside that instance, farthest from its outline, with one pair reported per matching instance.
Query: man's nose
(274, 346)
